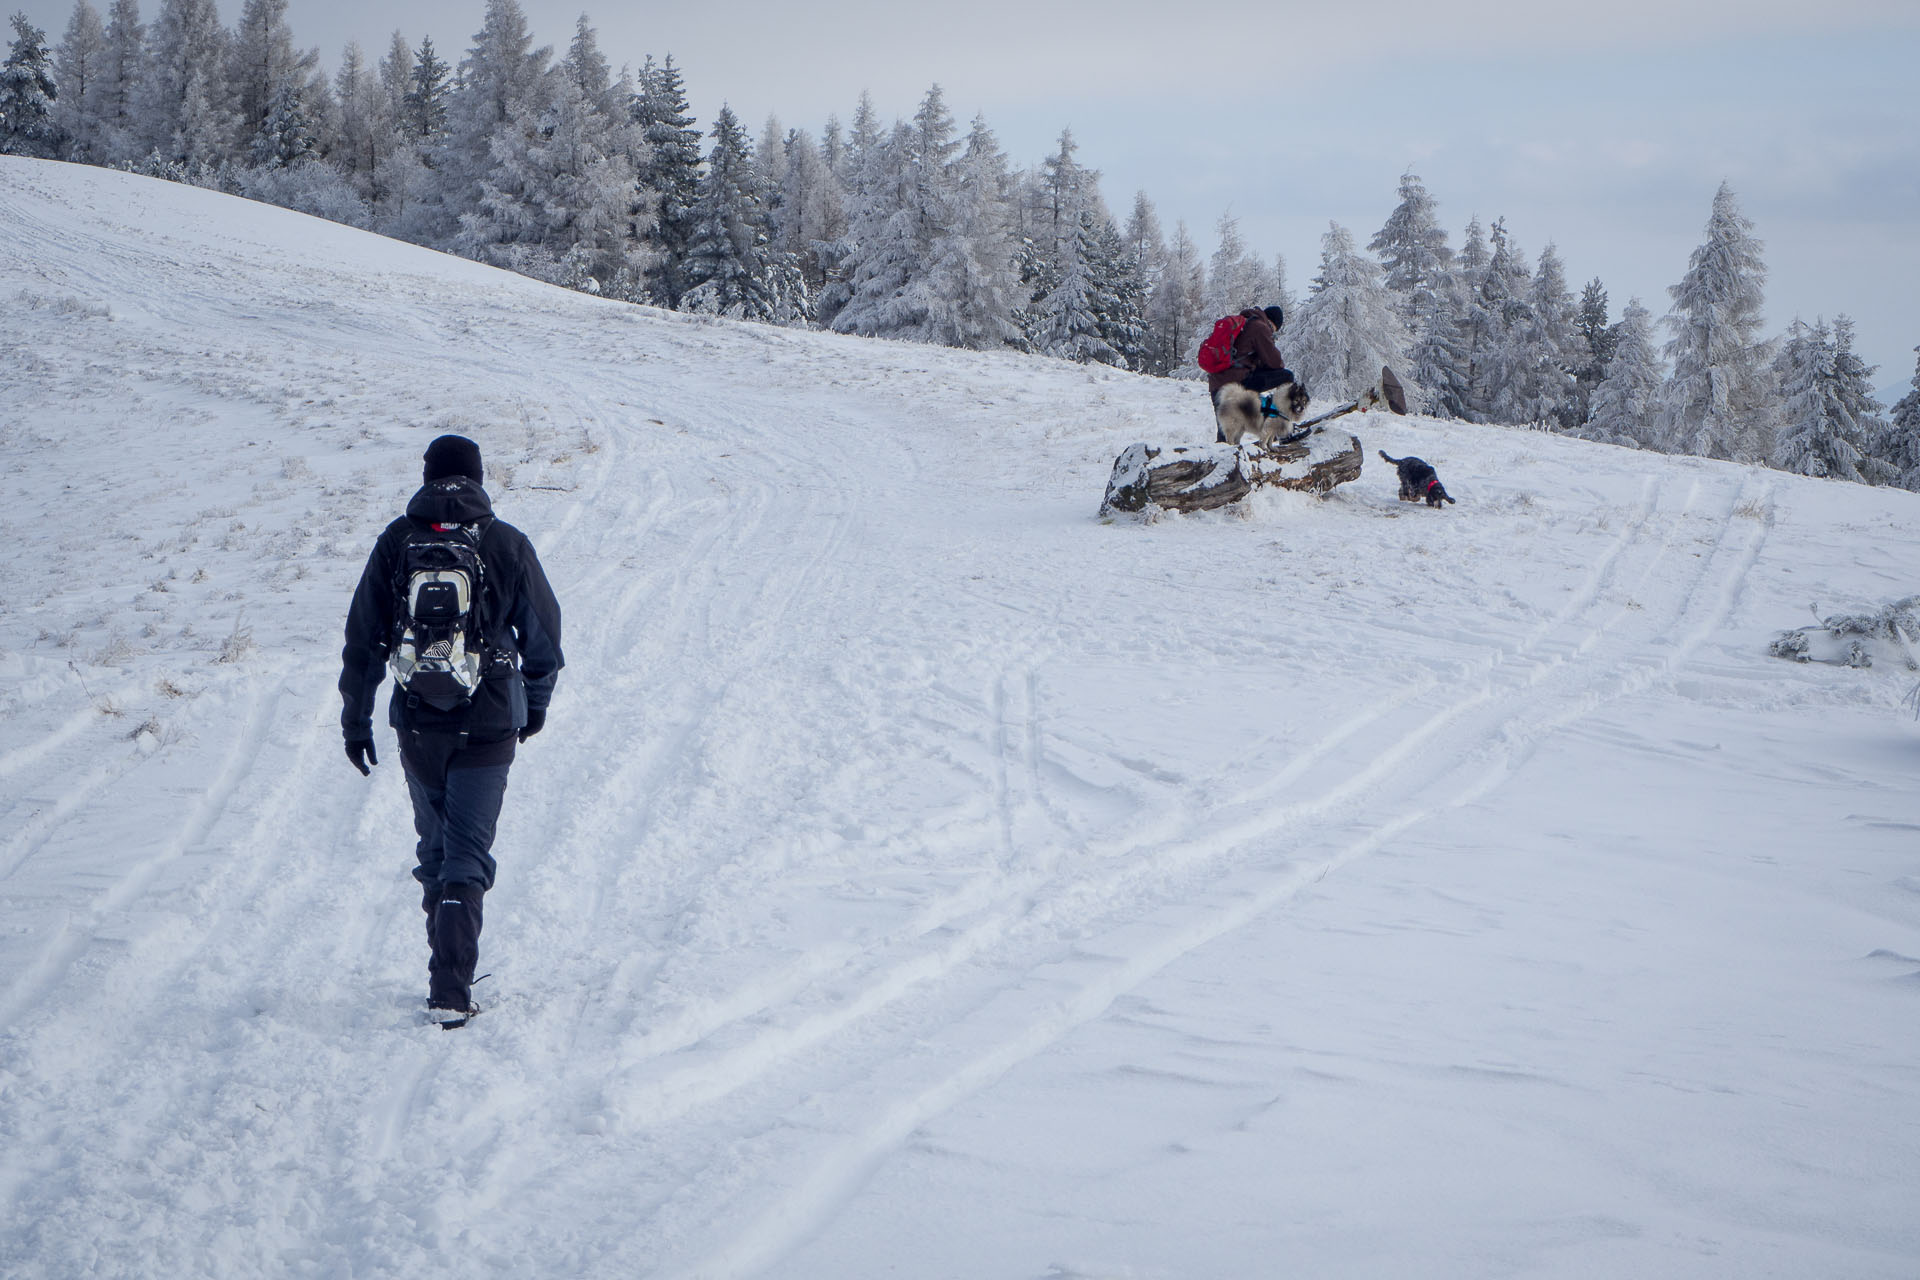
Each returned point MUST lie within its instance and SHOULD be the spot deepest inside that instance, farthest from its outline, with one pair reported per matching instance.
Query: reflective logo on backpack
(438, 648)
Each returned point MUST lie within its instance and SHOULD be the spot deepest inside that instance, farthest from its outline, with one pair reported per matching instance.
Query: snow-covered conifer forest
(553, 165)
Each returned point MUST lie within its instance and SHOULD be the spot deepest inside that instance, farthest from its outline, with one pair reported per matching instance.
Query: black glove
(536, 721)
(360, 753)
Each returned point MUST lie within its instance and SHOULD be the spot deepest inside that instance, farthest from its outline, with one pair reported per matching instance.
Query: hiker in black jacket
(454, 750)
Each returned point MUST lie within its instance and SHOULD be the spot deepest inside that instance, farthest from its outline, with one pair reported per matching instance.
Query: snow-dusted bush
(307, 186)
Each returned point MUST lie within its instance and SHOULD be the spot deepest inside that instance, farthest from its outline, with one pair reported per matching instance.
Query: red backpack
(1216, 353)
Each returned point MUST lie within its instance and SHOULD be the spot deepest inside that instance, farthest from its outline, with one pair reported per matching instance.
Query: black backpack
(439, 632)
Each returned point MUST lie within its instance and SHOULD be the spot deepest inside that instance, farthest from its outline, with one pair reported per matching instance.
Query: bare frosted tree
(79, 69)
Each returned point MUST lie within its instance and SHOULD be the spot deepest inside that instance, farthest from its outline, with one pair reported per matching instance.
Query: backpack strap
(482, 624)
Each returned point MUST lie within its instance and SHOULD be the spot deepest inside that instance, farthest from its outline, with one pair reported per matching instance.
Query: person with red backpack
(1241, 349)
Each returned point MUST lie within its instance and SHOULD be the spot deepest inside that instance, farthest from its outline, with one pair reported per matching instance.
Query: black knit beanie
(452, 456)
(1276, 315)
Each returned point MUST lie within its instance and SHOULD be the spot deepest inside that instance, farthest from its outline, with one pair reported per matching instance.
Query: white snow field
(917, 876)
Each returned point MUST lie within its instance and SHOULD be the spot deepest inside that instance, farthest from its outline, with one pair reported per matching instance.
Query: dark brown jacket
(1253, 349)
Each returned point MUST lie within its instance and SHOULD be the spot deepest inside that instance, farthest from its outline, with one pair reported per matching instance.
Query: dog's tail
(1392, 462)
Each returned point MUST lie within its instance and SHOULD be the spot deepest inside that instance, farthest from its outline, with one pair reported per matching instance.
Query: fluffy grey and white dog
(1240, 413)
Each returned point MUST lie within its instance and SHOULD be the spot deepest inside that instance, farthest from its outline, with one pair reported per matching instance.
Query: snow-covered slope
(917, 876)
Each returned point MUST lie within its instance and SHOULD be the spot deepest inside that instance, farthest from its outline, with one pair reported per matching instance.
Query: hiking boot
(454, 931)
(450, 1016)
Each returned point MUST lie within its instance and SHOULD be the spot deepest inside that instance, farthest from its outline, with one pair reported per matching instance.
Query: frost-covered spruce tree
(118, 78)
(833, 147)
(1855, 377)
(929, 163)
(1145, 240)
(404, 132)
(887, 260)
(1820, 432)
(1281, 290)
(1148, 244)
(732, 268)
(1503, 384)
(728, 230)
(1067, 322)
(1896, 454)
(904, 267)
(973, 277)
(848, 156)
(1422, 275)
(1471, 262)
(861, 164)
(1055, 245)
(813, 208)
(1236, 278)
(669, 175)
(770, 168)
(1545, 349)
(1120, 295)
(559, 202)
(374, 148)
(1413, 248)
(1593, 347)
(501, 86)
(596, 152)
(368, 126)
(1719, 401)
(27, 94)
(199, 145)
(181, 106)
(1476, 326)
(429, 85)
(1436, 359)
(267, 80)
(770, 163)
(1349, 326)
(1067, 189)
(1177, 317)
(79, 66)
(285, 136)
(1624, 400)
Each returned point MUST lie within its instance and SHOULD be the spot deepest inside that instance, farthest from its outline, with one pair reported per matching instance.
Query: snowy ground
(918, 876)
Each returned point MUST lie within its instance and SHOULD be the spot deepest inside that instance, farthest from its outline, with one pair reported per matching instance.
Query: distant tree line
(919, 230)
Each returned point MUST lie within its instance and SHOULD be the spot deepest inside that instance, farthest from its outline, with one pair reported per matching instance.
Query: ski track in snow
(1389, 773)
(817, 845)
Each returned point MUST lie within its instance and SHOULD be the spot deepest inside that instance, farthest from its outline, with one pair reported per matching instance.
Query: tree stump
(1202, 477)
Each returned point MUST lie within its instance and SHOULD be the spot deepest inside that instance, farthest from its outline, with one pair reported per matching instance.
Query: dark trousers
(1267, 379)
(457, 792)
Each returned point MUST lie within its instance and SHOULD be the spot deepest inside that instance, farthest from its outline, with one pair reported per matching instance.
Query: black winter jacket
(522, 617)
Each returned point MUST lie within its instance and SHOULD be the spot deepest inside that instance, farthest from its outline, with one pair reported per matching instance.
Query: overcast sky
(1604, 129)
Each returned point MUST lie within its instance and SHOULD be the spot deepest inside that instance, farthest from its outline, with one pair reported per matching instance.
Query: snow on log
(1202, 477)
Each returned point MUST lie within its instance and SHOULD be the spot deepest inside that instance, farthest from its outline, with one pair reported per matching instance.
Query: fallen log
(1203, 477)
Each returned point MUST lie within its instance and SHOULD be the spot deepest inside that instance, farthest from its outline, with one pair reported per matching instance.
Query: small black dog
(1418, 481)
